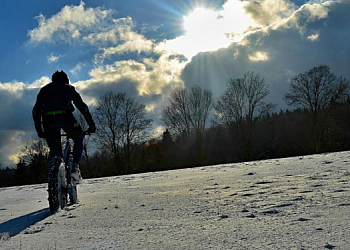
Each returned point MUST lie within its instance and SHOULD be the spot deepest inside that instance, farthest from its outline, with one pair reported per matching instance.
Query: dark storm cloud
(16, 126)
(98, 89)
(16, 107)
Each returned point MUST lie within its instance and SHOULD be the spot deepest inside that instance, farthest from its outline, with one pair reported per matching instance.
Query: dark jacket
(58, 97)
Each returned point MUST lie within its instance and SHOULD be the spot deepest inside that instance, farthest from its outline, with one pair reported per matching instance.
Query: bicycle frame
(68, 160)
(67, 152)
(62, 186)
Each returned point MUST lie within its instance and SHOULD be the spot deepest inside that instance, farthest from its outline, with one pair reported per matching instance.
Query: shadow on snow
(15, 226)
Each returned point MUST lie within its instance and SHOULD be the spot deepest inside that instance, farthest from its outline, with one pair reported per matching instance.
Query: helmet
(60, 77)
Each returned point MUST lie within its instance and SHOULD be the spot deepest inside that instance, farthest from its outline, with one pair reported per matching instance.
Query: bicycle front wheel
(57, 185)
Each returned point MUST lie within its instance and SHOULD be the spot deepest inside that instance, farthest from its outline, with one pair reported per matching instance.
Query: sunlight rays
(208, 29)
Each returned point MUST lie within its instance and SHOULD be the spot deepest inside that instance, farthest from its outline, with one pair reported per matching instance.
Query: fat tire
(57, 185)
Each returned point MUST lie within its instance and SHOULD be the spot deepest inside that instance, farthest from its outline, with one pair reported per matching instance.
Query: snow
(291, 203)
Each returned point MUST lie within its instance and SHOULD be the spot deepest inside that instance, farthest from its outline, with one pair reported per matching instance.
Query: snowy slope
(292, 203)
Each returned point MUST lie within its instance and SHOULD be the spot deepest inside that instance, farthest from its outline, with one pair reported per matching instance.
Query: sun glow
(209, 29)
(202, 23)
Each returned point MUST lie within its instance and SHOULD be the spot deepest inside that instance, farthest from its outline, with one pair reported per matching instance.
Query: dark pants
(52, 127)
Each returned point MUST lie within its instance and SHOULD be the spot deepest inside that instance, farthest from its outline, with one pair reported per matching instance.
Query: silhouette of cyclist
(53, 111)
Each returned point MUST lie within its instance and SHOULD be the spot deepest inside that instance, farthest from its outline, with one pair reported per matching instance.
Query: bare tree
(35, 156)
(177, 116)
(121, 123)
(35, 148)
(240, 105)
(200, 102)
(134, 127)
(107, 114)
(316, 90)
(188, 114)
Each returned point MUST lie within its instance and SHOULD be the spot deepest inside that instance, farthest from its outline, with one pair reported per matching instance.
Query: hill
(291, 203)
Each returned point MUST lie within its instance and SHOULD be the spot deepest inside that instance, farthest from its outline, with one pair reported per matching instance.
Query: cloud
(314, 37)
(78, 25)
(103, 37)
(109, 31)
(71, 23)
(52, 58)
(308, 13)
(259, 56)
(12, 89)
(267, 13)
(15, 141)
(75, 71)
(92, 26)
(17, 100)
(132, 42)
(38, 83)
(147, 77)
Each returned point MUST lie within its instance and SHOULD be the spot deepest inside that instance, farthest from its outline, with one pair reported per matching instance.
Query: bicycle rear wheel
(57, 185)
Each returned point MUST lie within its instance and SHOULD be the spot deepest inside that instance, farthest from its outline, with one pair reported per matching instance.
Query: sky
(148, 47)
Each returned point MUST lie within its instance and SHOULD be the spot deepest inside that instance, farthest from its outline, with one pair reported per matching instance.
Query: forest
(239, 126)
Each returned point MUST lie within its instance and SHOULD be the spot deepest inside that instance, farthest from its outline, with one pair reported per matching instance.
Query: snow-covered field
(293, 203)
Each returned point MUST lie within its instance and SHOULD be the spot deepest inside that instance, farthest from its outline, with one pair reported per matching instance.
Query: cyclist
(53, 110)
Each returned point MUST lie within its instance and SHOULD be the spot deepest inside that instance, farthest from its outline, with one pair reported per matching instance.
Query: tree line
(239, 126)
